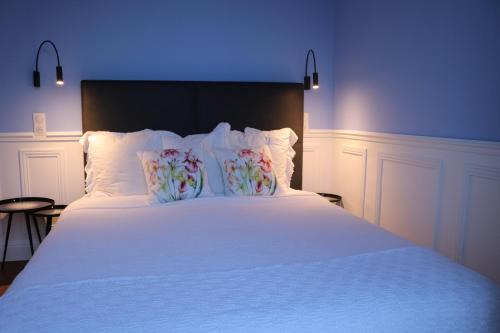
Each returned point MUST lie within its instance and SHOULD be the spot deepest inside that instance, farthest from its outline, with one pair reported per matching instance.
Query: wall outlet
(39, 125)
(306, 121)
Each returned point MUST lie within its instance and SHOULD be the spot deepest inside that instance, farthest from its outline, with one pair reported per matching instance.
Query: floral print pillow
(173, 174)
(247, 172)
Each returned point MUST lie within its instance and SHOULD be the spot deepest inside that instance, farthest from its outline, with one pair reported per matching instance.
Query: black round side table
(48, 214)
(333, 198)
(26, 205)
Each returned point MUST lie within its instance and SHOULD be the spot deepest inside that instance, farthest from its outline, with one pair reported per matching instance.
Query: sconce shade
(59, 71)
(36, 78)
(315, 80)
(59, 76)
(307, 82)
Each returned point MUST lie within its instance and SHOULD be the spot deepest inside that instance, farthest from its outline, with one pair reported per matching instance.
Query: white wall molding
(60, 172)
(48, 167)
(476, 146)
(310, 148)
(319, 133)
(455, 183)
(480, 212)
(317, 160)
(354, 151)
(439, 192)
(361, 154)
(470, 170)
(30, 137)
(461, 145)
(416, 161)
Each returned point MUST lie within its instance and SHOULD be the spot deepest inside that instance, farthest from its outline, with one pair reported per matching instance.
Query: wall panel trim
(418, 161)
(455, 162)
(26, 154)
(460, 145)
(471, 170)
(362, 153)
(30, 137)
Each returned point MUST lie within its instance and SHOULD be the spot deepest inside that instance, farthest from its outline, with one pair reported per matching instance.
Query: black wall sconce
(307, 78)
(59, 71)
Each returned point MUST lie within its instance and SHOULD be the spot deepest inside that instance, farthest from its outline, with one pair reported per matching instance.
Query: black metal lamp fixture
(307, 78)
(59, 71)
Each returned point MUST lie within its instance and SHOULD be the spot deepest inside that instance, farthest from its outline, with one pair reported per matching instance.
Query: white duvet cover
(294, 263)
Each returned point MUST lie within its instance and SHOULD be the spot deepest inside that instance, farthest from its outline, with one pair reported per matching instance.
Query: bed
(287, 263)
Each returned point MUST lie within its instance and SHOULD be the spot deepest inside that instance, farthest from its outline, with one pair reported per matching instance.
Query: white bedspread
(289, 264)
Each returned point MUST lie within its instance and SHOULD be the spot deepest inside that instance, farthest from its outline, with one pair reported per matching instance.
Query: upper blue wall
(264, 40)
(426, 67)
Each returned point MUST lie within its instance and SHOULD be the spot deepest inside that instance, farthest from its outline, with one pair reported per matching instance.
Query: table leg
(27, 218)
(48, 225)
(6, 239)
(36, 228)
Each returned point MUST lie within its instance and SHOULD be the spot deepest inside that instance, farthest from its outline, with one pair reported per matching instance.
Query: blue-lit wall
(257, 40)
(422, 67)
(425, 67)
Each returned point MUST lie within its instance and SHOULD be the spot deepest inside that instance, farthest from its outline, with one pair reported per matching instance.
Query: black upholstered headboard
(189, 107)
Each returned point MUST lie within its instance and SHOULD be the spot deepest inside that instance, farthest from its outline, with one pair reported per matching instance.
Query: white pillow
(84, 140)
(207, 143)
(280, 144)
(240, 140)
(113, 168)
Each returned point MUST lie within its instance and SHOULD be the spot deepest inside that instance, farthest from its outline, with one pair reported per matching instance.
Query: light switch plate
(306, 121)
(39, 125)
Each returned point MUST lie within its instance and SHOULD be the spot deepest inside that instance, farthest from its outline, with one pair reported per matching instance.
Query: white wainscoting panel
(318, 160)
(353, 168)
(48, 167)
(43, 173)
(439, 193)
(405, 185)
(480, 229)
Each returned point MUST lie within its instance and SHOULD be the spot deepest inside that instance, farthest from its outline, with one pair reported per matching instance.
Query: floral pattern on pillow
(248, 172)
(173, 174)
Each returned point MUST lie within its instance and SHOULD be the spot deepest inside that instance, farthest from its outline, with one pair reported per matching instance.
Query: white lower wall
(49, 167)
(438, 193)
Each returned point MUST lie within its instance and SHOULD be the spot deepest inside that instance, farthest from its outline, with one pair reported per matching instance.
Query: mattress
(292, 263)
